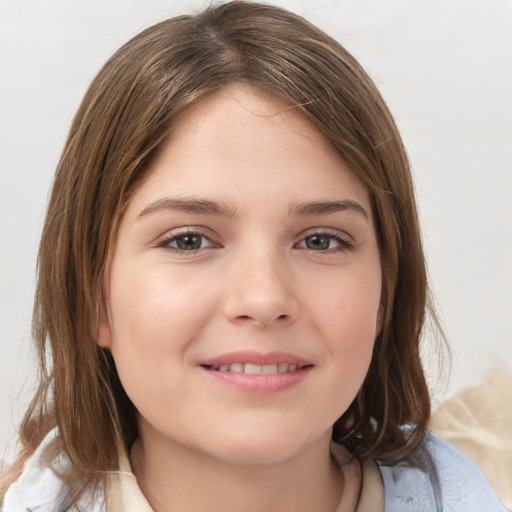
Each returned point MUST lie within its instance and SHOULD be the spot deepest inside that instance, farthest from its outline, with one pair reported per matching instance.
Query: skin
(264, 277)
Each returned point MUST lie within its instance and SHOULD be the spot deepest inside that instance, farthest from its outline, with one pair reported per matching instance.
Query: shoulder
(41, 487)
(452, 482)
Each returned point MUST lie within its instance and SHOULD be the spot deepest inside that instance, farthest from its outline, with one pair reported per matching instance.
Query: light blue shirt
(452, 484)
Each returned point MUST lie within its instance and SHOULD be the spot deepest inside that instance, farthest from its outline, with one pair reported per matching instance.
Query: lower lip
(259, 383)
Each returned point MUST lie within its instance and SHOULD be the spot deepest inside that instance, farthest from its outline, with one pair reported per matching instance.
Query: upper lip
(254, 357)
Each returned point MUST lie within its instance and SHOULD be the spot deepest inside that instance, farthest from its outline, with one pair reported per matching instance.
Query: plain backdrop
(445, 69)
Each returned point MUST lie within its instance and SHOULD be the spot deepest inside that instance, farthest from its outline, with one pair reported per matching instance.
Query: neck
(173, 477)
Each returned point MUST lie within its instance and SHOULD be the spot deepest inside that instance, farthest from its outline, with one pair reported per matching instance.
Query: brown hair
(124, 117)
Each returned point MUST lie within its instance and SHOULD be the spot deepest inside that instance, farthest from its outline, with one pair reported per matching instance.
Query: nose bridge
(260, 289)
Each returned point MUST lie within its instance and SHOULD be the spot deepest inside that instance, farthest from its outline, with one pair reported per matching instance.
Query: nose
(260, 291)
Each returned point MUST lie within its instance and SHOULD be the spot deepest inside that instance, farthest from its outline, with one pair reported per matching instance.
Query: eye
(324, 242)
(186, 242)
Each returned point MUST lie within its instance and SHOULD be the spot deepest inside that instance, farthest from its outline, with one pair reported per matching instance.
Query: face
(243, 295)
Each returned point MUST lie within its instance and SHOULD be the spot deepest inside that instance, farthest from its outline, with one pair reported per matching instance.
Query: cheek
(347, 308)
(347, 317)
(154, 316)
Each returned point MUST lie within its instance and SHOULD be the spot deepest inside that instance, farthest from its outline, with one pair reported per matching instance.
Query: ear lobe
(104, 330)
(104, 333)
(380, 320)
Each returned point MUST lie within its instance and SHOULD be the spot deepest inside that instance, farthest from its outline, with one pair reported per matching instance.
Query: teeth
(282, 367)
(269, 368)
(252, 369)
(257, 369)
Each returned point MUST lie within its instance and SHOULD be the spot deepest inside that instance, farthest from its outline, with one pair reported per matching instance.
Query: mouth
(257, 369)
(254, 372)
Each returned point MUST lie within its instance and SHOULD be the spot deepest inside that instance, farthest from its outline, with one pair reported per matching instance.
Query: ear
(104, 330)
(380, 319)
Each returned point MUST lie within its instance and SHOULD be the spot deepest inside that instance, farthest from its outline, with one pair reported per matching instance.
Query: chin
(260, 447)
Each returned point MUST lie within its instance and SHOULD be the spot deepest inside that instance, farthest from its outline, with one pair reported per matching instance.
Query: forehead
(242, 140)
(253, 101)
(228, 113)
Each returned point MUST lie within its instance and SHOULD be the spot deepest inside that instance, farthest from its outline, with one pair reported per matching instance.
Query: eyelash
(343, 243)
(165, 243)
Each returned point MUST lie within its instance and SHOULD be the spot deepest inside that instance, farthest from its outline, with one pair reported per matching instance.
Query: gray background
(444, 67)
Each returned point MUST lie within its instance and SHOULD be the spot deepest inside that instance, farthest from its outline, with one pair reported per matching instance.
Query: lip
(254, 357)
(258, 383)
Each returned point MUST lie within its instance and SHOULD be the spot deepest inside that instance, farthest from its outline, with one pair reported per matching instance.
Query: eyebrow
(207, 207)
(326, 207)
(190, 205)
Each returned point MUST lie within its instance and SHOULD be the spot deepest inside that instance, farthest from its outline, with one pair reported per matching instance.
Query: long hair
(125, 115)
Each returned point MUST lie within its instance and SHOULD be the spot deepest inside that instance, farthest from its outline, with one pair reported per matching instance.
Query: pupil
(317, 242)
(188, 242)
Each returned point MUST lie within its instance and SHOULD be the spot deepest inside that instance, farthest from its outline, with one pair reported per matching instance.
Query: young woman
(232, 288)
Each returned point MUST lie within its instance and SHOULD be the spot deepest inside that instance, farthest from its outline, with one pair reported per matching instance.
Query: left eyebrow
(190, 205)
(326, 207)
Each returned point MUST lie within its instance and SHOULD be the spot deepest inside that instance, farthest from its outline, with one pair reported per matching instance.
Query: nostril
(280, 318)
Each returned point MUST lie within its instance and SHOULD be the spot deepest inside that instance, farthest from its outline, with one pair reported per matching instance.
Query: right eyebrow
(326, 207)
(190, 205)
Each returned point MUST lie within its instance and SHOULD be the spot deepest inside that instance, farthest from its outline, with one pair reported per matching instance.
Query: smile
(257, 369)
(257, 373)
